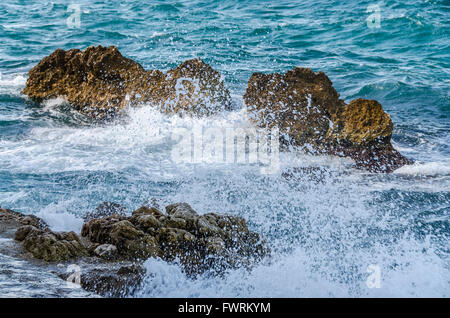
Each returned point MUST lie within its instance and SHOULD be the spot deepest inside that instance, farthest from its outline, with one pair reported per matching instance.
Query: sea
(334, 231)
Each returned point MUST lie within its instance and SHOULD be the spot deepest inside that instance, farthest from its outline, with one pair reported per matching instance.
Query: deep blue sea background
(325, 235)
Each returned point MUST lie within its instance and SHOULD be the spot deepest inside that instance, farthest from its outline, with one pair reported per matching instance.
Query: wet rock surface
(99, 81)
(111, 249)
(310, 115)
(50, 246)
(10, 221)
(109, 279)
(198, 242)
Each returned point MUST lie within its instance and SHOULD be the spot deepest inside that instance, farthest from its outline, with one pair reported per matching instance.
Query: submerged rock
(307, 110)
(118, 279)
(99, 81)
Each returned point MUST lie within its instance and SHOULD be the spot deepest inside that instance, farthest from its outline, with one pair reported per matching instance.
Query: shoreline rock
(113, 248)
(303, 104)
(306, 108)
(100, 82)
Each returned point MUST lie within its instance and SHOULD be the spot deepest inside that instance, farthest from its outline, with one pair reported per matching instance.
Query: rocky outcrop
(50, 246)
(10, 221)
(111, 249)
(198, 242)
(310, 115)
(99, 81)
(303, 104)
(130, 242)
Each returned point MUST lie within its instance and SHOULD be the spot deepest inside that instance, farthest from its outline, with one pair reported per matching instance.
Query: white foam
(298, 274)
(318, 223)
(12, 84)
(425, 169)
(58, 219)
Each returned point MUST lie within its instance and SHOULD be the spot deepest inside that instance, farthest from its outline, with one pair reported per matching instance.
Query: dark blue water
(325, 235)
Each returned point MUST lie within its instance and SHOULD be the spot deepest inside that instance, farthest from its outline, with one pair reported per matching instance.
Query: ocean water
(332, 230)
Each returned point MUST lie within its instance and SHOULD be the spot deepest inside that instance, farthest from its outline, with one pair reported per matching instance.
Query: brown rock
(130, 241)
(299, 103)
(307, 110)
(362, 122)
(99, 81)
(195, 87)
(50, 246)
(363, 132)
(10, 221)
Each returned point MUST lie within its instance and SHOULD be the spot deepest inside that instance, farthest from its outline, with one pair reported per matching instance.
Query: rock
(11, 220)
(304, 105)
(111, 249)
(185, 212)
(23, 231)
(131, 242)
(361, 122)
(110, 279)
(99, 81)
(363, 131)
(50, 246)
(144, 210)
(147, 223)
(215, 245)
(105, 209)
(300, 103)
(307, 110)
(195, 87)
(198, 242)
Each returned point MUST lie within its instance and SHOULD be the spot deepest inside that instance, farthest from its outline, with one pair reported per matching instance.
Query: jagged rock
(11, 220)
(50, 246)
(105, 209)
(300, 103)
(99, 81)
(361, 122)
(362, 131)
(131, 242)
(195, 87)
(198, 242)
(307, 110)
(111, 249)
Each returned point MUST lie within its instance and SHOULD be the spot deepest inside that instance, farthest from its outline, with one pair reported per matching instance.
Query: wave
(426, 169)
(299, 274)
(12, 84)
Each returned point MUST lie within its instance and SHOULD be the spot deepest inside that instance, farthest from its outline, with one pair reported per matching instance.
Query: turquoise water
(55, 163)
